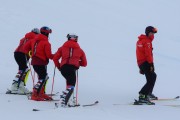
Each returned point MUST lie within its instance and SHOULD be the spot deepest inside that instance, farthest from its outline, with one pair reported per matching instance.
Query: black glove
(141, 72)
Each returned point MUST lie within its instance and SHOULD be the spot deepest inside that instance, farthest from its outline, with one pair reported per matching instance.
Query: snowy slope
(108, 31)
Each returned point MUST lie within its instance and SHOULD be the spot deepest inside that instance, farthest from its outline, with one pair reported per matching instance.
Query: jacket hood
(30, 35)
(41, 37)
(142, 36)
(71, 44)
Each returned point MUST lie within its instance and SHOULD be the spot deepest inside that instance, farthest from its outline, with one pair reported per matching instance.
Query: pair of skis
(136, 102)
(160, 99)
(70, 106)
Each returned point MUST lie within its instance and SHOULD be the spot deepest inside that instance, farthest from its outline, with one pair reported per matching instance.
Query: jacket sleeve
(148, 52)
(27, 47)
(83, 60)
(48, 52)
(56, 57)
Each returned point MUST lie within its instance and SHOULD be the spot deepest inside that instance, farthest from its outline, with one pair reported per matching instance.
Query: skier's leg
(68, 71)
(18, 81)
(39, 89)
(143, 93)
(153, 77)
(153, 80)
(145, 89)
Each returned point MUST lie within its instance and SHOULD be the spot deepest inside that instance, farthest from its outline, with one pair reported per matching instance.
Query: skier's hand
(141, 72)
(30, 53)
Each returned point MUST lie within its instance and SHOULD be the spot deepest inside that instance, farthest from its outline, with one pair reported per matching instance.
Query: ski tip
(35, 110)
(97, 102)
(56, 105)
(177, 97)
(8, 91)
(135, 100)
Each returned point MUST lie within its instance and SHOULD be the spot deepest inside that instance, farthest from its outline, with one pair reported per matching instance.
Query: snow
(108, 31)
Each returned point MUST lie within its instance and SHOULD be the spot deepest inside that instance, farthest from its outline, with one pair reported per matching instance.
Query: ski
(78, 105)
(68, 106)
(95, 103)
(173, 105)
(29, 94)
(159, 99)
(167, 99)
(35, 109)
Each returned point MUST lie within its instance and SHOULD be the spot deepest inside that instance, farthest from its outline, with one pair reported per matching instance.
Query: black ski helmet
(150, 29)
(45, 30)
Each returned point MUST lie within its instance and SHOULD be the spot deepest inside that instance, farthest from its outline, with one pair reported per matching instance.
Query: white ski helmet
(35, 30)
(72, 36)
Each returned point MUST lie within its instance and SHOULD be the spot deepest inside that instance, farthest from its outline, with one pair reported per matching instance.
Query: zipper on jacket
(70, 54)
(35, 47)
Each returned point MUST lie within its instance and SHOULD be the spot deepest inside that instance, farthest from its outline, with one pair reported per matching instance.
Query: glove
(141, 72)
(30, 53)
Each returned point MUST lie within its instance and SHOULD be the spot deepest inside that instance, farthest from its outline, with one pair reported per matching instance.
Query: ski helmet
(35, 30)
(150, 29)
(45, 30)
(72, 36)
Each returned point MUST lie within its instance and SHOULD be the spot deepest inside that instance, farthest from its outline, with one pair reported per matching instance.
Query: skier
(72, 57)
(146, 64)
(19, 82)
(41, 53)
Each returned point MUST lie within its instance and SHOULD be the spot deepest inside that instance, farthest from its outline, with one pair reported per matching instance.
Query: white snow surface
(108, 31)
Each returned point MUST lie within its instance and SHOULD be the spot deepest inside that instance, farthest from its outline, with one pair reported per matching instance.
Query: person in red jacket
(19, 82)
(41, 53)
(72, 57)
(146, 64)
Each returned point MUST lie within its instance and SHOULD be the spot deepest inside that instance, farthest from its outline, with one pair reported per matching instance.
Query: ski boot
(19, 83)
(152, 97)
(19, 88)
(40, 96)
(143, 100)
(66, 98)
(38, 93)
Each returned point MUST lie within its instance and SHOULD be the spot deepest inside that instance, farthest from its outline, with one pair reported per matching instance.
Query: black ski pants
(69, 73)
(150, 79)
(21, 59)
(41, 70)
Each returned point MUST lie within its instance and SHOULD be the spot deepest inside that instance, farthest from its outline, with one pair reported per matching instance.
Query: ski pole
(53, 80)
(31, 73)
(77, 88)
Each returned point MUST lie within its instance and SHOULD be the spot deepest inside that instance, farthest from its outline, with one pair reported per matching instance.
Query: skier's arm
(48, 51)
(56, 58)
(83, 60)
(149, 56)
(148, 52)
(27, 47)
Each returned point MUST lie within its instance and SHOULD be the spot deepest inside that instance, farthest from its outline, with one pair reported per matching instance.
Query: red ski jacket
(24, 40)
(41, 50)
(70, 53)
(144, 49)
